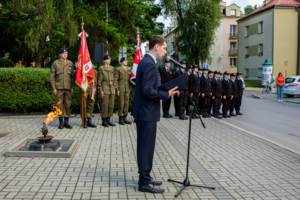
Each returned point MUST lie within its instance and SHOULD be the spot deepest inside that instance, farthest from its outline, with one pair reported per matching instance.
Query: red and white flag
(137, 59)
(84, 73)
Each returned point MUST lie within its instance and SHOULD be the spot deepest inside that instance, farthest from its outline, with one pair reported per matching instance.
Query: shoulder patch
(70, 66)
(98, 75)
(112, 72)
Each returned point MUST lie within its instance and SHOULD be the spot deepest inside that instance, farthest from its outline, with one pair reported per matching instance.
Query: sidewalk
(104, 165)
(274, 97)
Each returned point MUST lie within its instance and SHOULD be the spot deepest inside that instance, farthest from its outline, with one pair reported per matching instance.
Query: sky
(241, 3)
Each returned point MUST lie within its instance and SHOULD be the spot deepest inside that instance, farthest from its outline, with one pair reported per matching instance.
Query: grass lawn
(253, 85)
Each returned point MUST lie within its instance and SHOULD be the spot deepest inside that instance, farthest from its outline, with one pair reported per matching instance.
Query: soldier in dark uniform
(226, 94)
(234, 94)
(177, 113)
(166, 76)
(107, 86)
(240, 94)
(216, 94)
(211, 102)
(182, 99)
(189, 72)
(200, 72)
(205, 92)
(62, 80)
(122, 78)
(194, 87)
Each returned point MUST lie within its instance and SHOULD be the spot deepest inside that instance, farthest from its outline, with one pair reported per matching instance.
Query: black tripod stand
(186, 182)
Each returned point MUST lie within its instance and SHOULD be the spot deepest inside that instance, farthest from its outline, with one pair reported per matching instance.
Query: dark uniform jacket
(227, 88)
(205, 85)
(234, 89)
(165, 76)
(186, 77)
(240, 87)
(194, 83)
(216, 88)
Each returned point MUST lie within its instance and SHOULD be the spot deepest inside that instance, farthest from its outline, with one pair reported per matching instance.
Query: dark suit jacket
(227, 88)
(186, 77)
(240, 87)
(194, 83)
(234, 89)
(205, 86)
(146, 101)
(216, 88)
(165, 76)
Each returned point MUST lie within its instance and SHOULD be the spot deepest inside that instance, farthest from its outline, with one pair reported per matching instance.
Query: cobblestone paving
(104, 165)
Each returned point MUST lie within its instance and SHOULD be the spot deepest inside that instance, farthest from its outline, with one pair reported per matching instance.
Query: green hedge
(25, 90)
(6, 62)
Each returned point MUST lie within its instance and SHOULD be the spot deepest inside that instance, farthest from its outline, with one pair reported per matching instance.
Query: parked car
(292, 86)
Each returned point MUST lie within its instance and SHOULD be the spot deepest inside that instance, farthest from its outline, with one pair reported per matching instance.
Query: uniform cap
(182, 62)
(226, 73)
(167, 61)
(232, 74)
(239, 73)
(205, 69)
(195, 66)
(216, 72)
(210, 72)
(122, 59)
(62, 50)
(106, 57)
(189, 67)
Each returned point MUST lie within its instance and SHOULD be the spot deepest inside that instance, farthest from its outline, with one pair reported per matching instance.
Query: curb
(289, 101)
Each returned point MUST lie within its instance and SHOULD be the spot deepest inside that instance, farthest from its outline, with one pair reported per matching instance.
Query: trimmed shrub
(6, 62)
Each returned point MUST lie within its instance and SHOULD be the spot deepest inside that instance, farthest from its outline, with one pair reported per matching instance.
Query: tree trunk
(39, 57)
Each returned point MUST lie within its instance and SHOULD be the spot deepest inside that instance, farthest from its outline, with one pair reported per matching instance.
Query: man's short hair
(156, 39)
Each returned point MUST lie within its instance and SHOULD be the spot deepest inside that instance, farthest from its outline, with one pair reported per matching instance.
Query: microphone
(168, 58)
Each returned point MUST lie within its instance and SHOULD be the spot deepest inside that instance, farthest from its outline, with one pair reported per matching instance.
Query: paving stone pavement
(104, 165)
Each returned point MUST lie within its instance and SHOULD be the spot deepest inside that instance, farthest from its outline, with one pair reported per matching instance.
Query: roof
(272, 4)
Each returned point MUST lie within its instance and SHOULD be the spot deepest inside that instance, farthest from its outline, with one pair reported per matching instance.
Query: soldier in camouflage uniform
(62, 82)
(122, 77)
(106, 84)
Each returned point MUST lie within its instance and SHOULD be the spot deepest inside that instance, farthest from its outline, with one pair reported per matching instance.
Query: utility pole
(106, 25)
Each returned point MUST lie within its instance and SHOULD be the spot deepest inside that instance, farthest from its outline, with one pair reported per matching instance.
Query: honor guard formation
(207, 89)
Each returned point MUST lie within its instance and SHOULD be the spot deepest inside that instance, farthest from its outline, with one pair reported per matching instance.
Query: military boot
(61, 123)
(85, 123)
(121, 120)
(104, 122)
(90, 123)
(125, 120)
(66, 124)
(109, 122)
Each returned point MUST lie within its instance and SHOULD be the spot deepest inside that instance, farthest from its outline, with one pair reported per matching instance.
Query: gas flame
(56, 112)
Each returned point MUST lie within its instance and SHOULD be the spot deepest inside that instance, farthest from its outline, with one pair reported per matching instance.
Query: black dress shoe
(239, 113)
(217, 116)
(181, 117)
(85, 123)
(150, 188)
(157, 183)
(104, 122)
(232, 114)
(177, 115)
(219, 113)
(61, 123)
(109, 122)
(224, 116)
(125, 120)
(169, 115)
(165, 115)
(228, 116)
(90, 123)
(207, 114)
(66, 123)
(121, 121)
(185, 117)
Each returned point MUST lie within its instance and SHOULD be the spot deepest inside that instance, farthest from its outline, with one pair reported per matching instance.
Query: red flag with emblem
(137, 59)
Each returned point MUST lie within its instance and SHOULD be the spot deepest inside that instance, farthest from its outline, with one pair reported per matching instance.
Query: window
(289, 80)
(247, 52)
(233, 12)
(232, 61)
(246, 73)
(259, 72)
(247, 31)
(232, 30)
(260, 27)
(232, 45)
(260, 49)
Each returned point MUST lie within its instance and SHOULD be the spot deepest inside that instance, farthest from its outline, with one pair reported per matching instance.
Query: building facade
(271, 32)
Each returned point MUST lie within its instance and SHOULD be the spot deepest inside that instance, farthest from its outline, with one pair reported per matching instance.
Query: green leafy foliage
(6, 62)
(25, 90)
(249, 9)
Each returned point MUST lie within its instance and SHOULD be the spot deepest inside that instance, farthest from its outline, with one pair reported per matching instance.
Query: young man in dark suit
(240, 94)
(211, 101)
(166, 76)
(194, 87)
(205, 93)
(234, 94)
(227, 94)
(146, 111)
(188, 102)
(216, 94)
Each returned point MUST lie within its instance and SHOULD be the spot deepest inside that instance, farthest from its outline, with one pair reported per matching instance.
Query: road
(275, 121)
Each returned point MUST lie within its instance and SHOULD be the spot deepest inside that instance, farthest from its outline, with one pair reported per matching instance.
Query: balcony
(233, 52)
(233, 35)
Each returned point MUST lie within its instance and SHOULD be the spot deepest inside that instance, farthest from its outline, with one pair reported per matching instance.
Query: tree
(249, 9)
(197, 22)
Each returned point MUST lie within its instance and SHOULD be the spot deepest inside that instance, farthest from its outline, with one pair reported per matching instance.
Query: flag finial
(137, 30)
(82, 24)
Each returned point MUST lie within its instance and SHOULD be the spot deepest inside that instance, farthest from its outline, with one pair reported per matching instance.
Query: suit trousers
(233, 104)
(205, 103)
(217, 105)
(182, 101)
(226, 105)
(176, 103)
(200, 103)
(166, 105)
(196, 99)
(211, 103)
(188, 103)
(238, 103)
(146, 136)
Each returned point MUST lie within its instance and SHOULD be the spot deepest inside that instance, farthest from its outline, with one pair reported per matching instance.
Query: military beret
(226, 73)
(122, 59)
(62, 50)
(232, 74)
(195, 66)
(106, 57)
(182, 62)
(239, 73)
(215, 72)
(210, 71)
(189, 67)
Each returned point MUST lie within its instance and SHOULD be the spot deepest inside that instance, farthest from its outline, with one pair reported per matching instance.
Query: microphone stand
(186, 183)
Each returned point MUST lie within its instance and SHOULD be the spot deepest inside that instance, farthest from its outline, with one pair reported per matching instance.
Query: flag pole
(82, 106)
